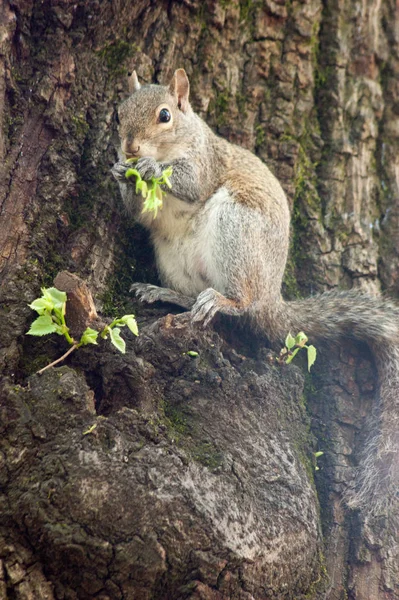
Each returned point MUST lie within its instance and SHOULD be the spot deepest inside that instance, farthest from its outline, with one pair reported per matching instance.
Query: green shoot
(316, 456)
(293, 345)
(150, 190)
(90, 430)
(51, 307)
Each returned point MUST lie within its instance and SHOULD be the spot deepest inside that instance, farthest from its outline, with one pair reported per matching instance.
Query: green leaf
(128, 320)
(89, 336)
(289, 341)
(131, 160)
(164, 179)
(132, 324)
(312, 353)
(301, 339)
(144, 189)
(292, 356)
(125, 319)
(131, 172)
(154, 200)
(55, 296)
(317, 454)
(42, 326)
(192, 353)
(41, 305)
(116, 339)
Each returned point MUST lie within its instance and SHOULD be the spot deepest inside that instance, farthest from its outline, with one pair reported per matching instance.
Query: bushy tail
(375, 321)
(377, 488)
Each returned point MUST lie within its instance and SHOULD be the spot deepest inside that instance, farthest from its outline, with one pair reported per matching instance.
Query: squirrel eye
(164, 116)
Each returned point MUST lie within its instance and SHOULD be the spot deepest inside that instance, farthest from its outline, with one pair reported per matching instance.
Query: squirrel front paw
(118, 171)
(148, 167)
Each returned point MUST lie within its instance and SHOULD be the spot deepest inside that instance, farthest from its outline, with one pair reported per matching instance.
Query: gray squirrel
(221, 244)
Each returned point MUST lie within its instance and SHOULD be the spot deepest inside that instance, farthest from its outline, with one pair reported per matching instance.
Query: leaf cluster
(113, 330)
(51, 307)
(150, 190)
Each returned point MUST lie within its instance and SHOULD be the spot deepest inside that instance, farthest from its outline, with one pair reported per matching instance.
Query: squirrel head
(154, 120)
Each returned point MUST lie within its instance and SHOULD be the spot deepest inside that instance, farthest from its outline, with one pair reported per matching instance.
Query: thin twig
(63, 357)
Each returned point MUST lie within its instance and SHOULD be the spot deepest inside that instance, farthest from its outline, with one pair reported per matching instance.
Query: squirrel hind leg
(146, 292)
(209, 302)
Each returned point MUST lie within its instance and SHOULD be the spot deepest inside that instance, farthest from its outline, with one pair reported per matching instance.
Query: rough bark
(187, 489)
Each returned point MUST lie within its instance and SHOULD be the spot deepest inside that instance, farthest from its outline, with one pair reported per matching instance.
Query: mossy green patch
(246, 9)
(307, 203)
(241, 101)
(207, 454)
(115, 54)
(183, 430)
(32, 364)
(290, 284)
(218, 107)
(260, 136)
(79, 125)
(178, 420)
(318, 585)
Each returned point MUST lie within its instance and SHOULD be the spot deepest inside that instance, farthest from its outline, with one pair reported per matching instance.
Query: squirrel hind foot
(209, 302)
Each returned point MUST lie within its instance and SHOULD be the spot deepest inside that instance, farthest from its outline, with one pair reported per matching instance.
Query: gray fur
(221, 243)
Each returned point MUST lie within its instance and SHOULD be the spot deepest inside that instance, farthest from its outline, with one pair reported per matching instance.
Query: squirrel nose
(130, 148)
(132, 151)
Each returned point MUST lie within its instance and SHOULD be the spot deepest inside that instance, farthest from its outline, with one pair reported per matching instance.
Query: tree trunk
(160, 474)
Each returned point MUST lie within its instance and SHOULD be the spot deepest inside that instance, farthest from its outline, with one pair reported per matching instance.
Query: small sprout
(316, 456)
(293, 345)
(192, 353)
(291, 356)
(89, 336)
(90, 430)
(131, 322)
(51, 307)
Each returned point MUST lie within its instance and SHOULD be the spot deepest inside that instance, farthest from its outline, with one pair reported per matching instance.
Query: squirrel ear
(180, 87)
(133, 82)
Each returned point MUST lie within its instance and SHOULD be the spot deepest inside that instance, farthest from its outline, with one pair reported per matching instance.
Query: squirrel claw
(118, 171)
(148, 167)
(152, 293)
(146, 292)
(205, 307)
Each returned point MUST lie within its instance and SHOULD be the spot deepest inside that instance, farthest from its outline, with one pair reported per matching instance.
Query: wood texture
(313, 89)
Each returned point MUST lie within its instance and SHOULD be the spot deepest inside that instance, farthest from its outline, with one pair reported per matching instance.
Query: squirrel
(221, 244)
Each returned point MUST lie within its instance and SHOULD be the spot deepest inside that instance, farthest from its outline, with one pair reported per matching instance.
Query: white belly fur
(185, 241)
